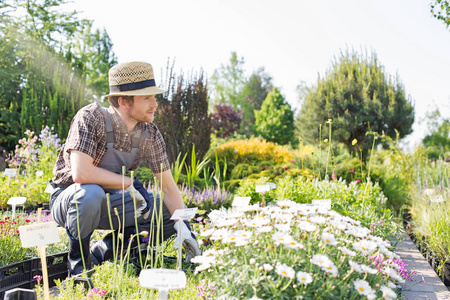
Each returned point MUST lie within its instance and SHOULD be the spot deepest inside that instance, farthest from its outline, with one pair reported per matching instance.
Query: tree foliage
(359, 97)
(55, 63)
(253, 94)
(225, 120)
(275, 120)
(182, 115)
(441, 10)
(227, 82)
(437, 141)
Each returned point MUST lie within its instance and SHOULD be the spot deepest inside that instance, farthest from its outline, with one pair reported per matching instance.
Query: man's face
(143, 109)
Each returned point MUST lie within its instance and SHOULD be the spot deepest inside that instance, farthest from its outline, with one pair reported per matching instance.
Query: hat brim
(148, 91)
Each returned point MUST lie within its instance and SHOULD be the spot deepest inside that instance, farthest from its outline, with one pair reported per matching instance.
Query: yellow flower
(325, 140)
(354, 142)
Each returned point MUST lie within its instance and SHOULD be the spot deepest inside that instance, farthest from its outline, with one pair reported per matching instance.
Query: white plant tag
(17, 200)
(40, 234)
(241, 201)
(262, 188)
(438, 198)
(184, 214)
(10, 172)
(272, 185)
(216, 215)
(323, 202)
(162, 279)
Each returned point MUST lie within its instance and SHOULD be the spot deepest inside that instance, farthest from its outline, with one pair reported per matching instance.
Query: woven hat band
(132, 86)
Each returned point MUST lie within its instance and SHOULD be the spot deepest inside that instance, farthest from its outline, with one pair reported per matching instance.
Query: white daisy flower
(257, 222)
(365, 247)
(285, 271)
(391, 285)
(369, 270)
(219, 234)
(388, 293)
(264, 229)
(355, 266)
(200, 259)
(347, 251)
(267, 267)
(318, 219)
(201, 267)
(321, 260)
(294, 245)
(331, 268)
(393, 274)
(329, 239)
(304, 278)
(281, 238)
(363, 287)
(307, 226)
(206, 232)
(283, 227)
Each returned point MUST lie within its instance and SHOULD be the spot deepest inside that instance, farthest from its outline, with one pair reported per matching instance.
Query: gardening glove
(188, 241)
(141, 196)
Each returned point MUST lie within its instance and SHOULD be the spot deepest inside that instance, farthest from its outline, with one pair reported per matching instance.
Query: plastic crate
(20, 275)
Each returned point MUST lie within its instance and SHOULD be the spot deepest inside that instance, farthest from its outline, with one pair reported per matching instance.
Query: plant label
(40, 234)
(184, 214)
(162, 279)
(10, 172)
(17, 200)
(438, 198)
(272, 185)
(241, 201)
(216, 215)
(262, 188)
(323, 202)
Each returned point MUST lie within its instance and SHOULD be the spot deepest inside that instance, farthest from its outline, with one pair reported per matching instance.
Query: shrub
(253, 151)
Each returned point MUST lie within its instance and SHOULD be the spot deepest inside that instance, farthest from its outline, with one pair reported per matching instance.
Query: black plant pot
(446, 272)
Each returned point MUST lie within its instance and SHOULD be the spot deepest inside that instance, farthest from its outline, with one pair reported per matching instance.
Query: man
(101, 142)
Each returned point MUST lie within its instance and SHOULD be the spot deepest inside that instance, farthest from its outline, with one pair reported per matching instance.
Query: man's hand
(138, 192)
(190, 245)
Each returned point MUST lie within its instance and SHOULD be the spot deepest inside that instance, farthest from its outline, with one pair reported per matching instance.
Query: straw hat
(132, 79)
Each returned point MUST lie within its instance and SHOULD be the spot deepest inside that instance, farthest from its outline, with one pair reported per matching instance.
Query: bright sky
(294, 40)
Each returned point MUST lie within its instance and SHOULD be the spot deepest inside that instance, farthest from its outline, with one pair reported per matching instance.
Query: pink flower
(351, 171)
(358, 181)
(285, 167)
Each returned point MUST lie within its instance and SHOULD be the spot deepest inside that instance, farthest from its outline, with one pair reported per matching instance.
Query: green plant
(177, 167)
(195, 168)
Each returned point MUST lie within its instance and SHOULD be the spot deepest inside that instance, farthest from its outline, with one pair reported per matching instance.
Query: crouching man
(99, 143)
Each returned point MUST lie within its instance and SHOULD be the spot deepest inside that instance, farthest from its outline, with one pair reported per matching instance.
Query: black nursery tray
(20, 275)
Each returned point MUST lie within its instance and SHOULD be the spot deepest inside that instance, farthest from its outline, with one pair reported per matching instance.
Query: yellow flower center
(284, 273)
(328, 241)
(303, 279)
(361, 289)
(363, 248)
(292, 243)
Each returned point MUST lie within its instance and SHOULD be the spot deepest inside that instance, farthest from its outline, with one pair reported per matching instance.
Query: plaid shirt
(88, 134)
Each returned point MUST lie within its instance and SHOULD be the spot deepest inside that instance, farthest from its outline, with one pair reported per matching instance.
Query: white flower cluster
(287, 225)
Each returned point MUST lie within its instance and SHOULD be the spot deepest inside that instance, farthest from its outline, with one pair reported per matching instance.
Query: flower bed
(288, 250)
